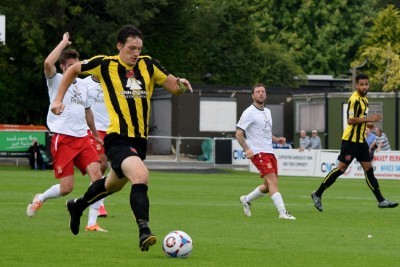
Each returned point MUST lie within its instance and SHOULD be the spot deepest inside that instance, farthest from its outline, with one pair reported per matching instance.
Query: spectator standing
(354, 145)
(35, 156)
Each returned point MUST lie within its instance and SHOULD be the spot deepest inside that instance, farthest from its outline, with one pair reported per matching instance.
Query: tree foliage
(216, 43)
(34, 28)
(381, 49)
(226, 42)
(321, 35)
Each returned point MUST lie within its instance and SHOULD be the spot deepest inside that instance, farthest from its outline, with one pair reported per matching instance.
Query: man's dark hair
(127, 31)
(258, 85)
(361, 76)
(67, 54)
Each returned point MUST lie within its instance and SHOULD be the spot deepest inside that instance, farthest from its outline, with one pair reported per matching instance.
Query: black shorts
(352, 150)
(119, 147)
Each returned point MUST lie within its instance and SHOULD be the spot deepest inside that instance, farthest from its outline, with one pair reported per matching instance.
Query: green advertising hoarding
(12, 143)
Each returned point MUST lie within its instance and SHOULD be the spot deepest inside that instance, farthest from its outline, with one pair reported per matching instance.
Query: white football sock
(254, 195)
(92, 220)
(93, 211)
(52, 192)
(278, 202)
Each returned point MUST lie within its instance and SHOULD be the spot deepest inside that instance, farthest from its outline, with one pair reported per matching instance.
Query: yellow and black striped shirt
(357, 107)
(127, 91)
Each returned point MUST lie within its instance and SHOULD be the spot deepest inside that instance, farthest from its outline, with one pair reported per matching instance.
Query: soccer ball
(177, 244)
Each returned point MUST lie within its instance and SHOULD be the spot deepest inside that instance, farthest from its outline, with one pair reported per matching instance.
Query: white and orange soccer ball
(177, 244)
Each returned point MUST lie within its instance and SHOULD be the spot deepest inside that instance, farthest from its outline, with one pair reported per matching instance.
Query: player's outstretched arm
(51, 60)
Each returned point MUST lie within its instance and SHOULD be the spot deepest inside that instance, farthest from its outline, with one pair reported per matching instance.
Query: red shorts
(98, 147)
(68, 151)
(265, 163)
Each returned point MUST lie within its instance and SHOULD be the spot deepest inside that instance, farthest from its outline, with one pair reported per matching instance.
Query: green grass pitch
(206, 206)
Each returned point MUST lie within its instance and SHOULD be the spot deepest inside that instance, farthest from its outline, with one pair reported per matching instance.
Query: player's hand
(281, 140)
(98, 139)
(57, 108)
(376, 117)
(370, 125)
(249, 153)
(183, 84)
(66, 38)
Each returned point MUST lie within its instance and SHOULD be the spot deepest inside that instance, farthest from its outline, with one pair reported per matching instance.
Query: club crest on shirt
(131, 82)
(59, 169)
(130, 74)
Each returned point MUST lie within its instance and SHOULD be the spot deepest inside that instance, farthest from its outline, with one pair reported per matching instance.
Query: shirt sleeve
(87, 103)
(244, 121)
(351, 108)
(92, 66)
(160, 73)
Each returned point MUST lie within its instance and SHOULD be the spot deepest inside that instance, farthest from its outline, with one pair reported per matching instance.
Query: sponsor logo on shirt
(77, 97)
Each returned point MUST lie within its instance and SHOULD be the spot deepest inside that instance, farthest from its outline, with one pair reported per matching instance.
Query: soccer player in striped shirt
(128, 81)
(354, 145)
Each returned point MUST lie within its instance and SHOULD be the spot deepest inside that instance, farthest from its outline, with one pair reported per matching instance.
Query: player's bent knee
(66, 190)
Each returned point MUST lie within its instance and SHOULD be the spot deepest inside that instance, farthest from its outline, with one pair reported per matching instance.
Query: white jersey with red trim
(72, 121)
(257, 125)
(96, 99)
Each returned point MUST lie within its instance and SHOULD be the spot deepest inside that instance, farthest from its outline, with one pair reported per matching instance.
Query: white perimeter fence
(291, 162)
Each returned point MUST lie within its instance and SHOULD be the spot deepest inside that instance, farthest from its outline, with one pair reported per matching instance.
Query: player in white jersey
(254, 134)
(70, 144)
(101, 120)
